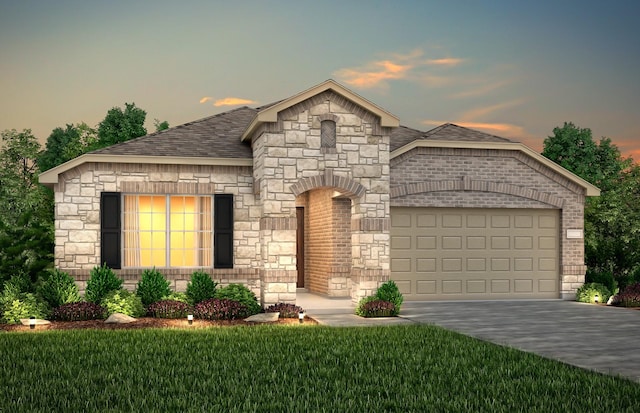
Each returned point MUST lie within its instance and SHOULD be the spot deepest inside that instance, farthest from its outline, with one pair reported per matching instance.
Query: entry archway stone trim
(350, 187)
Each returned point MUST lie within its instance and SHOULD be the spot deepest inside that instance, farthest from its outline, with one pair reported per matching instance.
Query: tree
(121, 126)
(66, 144)
(612, 220)
(26, 221)
(160, 126)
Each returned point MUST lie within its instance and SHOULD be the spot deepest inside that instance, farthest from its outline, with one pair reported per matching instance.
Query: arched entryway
(324, 242)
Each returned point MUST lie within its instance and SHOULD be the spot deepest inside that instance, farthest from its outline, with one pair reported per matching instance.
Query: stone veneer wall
(473, 178)
(77, 230)
(289, 152)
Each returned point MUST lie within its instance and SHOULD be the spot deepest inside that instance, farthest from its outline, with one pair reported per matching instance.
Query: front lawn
(291, 369)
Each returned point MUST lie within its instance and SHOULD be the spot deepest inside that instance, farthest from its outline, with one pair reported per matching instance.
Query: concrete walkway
(599, 338)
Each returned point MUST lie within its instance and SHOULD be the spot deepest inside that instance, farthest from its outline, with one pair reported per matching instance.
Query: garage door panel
(476, 264)
(426, 265)
(476, 286)
(457, 254)
(452, 243)
(452, 287)
(426, 287)
(523, 286)
(426, 242)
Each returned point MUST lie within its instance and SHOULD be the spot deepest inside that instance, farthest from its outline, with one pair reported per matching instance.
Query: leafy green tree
(121, 125)
(160, 126)
(612, 220)
(66, 144)
(26, 220)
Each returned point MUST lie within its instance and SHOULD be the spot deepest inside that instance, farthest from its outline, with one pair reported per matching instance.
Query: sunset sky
(511, 68)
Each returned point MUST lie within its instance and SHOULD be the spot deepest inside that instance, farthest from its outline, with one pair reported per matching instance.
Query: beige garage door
(475, 254)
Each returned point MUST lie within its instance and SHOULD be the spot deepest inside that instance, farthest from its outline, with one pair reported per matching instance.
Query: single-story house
(325, 191)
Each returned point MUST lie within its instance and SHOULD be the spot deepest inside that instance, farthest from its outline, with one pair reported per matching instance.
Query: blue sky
(514, 69)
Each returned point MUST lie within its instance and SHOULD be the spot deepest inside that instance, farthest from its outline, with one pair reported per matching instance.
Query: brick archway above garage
(467, 184)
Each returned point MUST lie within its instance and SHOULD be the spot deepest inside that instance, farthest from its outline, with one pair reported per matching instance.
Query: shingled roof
(216, 136)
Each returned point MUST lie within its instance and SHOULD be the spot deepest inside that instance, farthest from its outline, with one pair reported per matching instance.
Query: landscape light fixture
(301, 316)
(596, 298)
(190, 319)
(32, 323)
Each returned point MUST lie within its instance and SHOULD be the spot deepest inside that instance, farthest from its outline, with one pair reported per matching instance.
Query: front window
(167, 231)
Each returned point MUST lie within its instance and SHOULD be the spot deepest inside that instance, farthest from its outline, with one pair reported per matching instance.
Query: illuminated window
(167, 231)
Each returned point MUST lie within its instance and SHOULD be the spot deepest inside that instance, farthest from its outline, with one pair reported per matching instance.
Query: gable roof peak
(269, 113)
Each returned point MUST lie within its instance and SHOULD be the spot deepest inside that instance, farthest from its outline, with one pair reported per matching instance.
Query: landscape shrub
(17, 302)
(241, 294)
(124, 302)
(58, 288)
(628, 297)
(602, 277)
(201, 287)
(377, 308)
(152, 287)
(175, 296)
(102, 280)
(169, 309)
(587, 293)
(286, 310)
(220, 309)
(79, 311)
(389, 292)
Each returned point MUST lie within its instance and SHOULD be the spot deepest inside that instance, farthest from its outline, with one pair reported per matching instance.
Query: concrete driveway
(604, 339)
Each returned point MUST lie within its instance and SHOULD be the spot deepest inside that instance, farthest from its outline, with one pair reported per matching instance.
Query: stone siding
(77, 225)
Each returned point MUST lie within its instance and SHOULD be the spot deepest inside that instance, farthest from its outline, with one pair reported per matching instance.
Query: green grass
(292, 369)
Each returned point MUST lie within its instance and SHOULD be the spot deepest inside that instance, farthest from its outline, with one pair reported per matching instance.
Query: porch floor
(321, 304)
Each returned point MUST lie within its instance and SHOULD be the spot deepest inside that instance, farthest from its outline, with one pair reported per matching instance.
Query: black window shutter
(110, 229)
(223, 231)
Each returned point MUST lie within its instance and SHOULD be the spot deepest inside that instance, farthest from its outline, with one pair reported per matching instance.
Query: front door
(300, 247)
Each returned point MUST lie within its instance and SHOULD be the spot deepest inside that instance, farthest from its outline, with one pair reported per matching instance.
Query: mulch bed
(146, 322)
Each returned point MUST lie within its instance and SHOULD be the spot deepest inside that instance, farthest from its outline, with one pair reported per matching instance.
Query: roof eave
(51, 176)
(590, 190)
(270, 114)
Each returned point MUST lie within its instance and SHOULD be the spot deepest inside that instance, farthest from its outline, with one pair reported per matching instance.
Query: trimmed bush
(363, 301)
(200, 288)
(628, 297)
(79, 311)
(58, 288)
(17, 302)
(389, 292)
(378, 308)
(23, 306)
(101, 282)
(182, 297)
(220, 309)
(152, 287)
(241, 294)
(286, 310)
(587, 293)
(124, 302)
(169, 309)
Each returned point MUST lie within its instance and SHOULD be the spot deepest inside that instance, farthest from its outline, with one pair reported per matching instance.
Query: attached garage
(474, 254)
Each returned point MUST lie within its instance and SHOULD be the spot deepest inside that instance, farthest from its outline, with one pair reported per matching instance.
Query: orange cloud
(374, 74)
(205, 99)
(447, 61)
(505, 130)
(486, 110)
(482, 90)
(231, 101)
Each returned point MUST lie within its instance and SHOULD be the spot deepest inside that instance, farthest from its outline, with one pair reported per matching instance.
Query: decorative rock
(118, 318)
(38, 322)
(263, 318)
